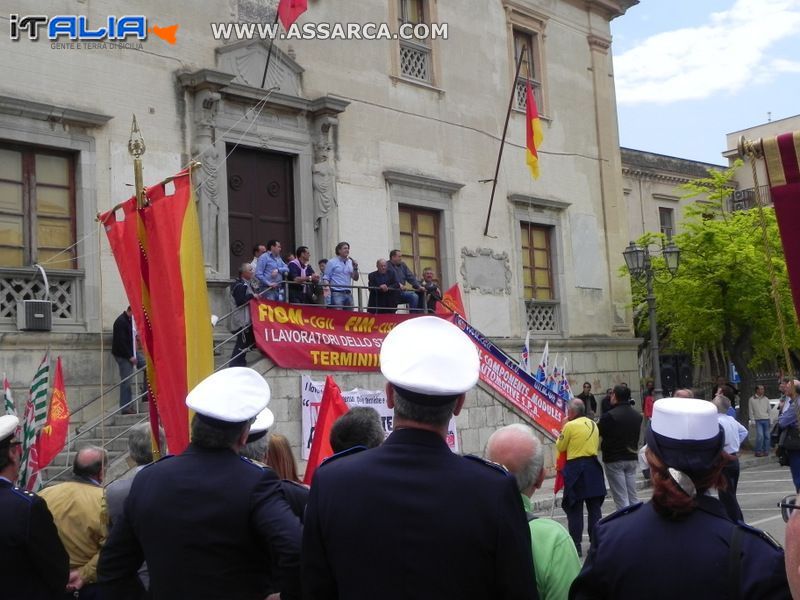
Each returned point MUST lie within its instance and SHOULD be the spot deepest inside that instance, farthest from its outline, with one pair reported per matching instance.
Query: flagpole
(269, 51)
(503, 139)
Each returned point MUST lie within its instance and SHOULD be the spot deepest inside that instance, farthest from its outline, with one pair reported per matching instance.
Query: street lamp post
(640, 266)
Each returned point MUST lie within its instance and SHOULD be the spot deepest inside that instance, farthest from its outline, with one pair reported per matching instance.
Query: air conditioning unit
(35, 315)
(741, 195)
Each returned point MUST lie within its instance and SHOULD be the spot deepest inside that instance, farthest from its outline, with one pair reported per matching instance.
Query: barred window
(415, 55)
(37, 206)
(528, 43)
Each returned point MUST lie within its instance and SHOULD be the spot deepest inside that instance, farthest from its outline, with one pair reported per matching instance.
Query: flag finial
(137, 148)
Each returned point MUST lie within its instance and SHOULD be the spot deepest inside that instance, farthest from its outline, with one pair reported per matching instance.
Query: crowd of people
(294, 280)
(405, 517)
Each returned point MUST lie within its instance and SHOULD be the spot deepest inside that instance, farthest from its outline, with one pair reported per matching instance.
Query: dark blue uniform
(297, 497)
(33, 562)
(410, 519)
(636, 553)
(208, 523)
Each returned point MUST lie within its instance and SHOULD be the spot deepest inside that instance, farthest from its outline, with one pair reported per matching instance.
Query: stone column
(614, 214)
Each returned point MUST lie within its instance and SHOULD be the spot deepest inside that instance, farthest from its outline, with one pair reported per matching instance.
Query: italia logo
(78, 28)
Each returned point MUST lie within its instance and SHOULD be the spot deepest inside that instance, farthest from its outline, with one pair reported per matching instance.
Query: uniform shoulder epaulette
(487, 463)
(343, 453)
(622, 512)
(291, 483)
(18, 491)
(158, 461)
(760, 533)
(253, 463)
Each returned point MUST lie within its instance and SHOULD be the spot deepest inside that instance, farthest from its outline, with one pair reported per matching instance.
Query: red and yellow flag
(451, 303)
(533, 132)
(332, 406)
(782, 155)
(159, 255)
(53, 435)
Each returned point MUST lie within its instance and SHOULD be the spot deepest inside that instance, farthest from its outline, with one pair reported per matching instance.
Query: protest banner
(311, 394)
(307, 337)
(505, 375)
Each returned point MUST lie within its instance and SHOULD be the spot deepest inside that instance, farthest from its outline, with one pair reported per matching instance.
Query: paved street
(760, 489)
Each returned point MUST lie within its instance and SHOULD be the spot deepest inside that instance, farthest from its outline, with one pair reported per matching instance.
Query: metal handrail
(81, 432)
(360, 306)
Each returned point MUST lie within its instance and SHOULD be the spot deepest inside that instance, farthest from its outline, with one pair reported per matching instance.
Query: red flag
(451, 303)
(289, 10)
(782, 155)
(331, 408)
(533, 132)
(561, 461)
(53, 435)
(159, 255)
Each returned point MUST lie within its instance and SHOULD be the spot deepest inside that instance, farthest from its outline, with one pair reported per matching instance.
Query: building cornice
(219, 81)
(537, 202)
(424, 181)
(666, 177)
(40, 111)
(613, 8)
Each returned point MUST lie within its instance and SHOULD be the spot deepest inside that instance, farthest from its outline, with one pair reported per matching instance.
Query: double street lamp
(640, 265)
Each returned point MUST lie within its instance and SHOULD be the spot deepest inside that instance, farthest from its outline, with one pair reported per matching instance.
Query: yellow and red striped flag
(782, 155)
(53, 435)
(159, 254)
(533, 132)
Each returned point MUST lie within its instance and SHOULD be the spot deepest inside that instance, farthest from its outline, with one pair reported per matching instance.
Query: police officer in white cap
(682, 544)
(410, 519)
(34, 563)
(207, 521)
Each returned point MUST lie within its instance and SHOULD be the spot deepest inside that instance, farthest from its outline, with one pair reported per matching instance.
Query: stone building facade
(383, 143)
(653, 194)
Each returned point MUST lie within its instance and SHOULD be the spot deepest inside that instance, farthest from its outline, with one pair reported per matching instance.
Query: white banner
(312, 396)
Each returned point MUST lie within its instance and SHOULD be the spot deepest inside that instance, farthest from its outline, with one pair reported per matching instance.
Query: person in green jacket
(555, 558)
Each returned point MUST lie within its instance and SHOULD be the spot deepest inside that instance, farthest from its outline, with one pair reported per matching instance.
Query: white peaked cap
(430, 356)
(8, 425)
(263, 421)
(234, 395)
(685, 419)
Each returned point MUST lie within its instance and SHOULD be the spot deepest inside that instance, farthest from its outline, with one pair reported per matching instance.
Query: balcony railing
(746, 199)
(18, 284)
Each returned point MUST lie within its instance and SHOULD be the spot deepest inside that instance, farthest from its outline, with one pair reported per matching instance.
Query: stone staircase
(111, 432)
(100, 435)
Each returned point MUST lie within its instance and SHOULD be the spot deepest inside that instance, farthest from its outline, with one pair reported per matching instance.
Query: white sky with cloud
(724, 53)
(690, 71)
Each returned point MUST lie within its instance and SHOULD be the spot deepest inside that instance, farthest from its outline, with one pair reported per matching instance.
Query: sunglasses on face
(787, 505)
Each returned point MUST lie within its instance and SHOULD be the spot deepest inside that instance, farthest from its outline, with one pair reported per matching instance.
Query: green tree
(722, 291)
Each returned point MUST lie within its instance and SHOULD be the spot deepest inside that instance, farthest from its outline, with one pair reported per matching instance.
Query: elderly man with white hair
(517, 448)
